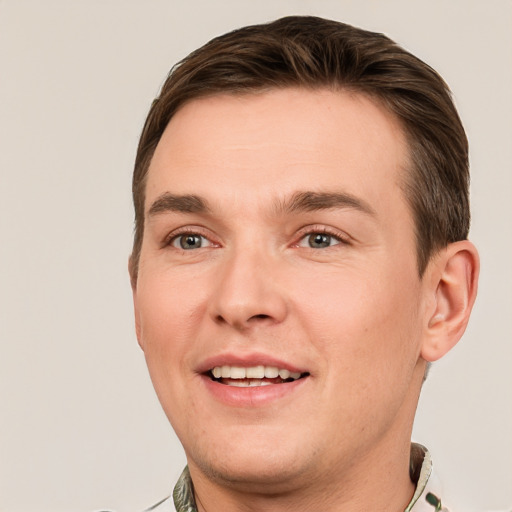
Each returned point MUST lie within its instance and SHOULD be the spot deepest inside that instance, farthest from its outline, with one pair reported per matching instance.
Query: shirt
(426, 498)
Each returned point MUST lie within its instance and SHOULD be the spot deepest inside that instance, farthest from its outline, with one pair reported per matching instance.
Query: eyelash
(303, 233)
(171, 237)
(321, 230)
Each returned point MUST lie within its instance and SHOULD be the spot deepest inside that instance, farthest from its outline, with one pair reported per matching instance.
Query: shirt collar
(427, 496)
(183, 494)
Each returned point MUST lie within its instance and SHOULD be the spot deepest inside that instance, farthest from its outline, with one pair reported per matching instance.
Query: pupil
(319, 240)
(190, 242)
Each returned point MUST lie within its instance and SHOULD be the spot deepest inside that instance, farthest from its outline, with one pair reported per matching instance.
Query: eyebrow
(314, 201)
(168, 202)
(298, 202)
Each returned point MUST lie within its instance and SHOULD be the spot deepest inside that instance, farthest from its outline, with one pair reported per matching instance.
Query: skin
(355, 314)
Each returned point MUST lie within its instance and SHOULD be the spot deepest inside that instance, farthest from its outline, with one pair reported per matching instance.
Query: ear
(452, 281)
(133, 281)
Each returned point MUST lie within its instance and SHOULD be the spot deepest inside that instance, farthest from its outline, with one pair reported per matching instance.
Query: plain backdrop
(80, 427)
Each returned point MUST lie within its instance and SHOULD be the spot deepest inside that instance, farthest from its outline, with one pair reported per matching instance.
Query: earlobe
(453, 281)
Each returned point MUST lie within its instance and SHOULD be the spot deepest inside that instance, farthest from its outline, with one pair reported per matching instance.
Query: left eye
(319, 241)
(189, 241)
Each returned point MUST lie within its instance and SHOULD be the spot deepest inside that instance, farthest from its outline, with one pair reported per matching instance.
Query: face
(278, 301)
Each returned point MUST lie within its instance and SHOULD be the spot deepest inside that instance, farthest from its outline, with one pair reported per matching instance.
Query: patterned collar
(425, 499)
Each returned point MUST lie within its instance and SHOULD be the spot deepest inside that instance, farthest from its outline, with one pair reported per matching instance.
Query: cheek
(168, 313)
(365, 322)
(168, 308)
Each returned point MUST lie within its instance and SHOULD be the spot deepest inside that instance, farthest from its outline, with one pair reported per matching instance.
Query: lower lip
(251, 396)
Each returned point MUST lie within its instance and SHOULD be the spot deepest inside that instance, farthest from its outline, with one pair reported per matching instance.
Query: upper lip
(247, 360)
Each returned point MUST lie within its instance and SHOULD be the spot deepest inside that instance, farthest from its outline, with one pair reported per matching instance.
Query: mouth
(253, 376)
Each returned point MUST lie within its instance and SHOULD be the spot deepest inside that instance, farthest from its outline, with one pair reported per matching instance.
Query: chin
(272, 466)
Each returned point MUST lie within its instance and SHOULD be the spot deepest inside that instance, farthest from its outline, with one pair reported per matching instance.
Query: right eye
(189, 241)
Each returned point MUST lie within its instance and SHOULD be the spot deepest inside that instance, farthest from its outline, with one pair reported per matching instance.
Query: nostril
(239, 322)
(220, 319)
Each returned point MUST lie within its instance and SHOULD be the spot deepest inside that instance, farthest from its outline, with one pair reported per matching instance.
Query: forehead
(276, 142)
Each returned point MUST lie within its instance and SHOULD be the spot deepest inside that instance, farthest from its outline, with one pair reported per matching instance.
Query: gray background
(80, 427)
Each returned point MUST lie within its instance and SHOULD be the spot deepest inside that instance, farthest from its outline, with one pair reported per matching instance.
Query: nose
(249, 291)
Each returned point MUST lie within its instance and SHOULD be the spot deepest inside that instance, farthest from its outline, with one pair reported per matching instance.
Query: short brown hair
(312, 53)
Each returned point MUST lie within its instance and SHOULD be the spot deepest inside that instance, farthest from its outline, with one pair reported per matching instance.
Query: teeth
(256, 383)
(237, 372)
(253, 372)
(248, 383)
(284, 374)
(271, 372)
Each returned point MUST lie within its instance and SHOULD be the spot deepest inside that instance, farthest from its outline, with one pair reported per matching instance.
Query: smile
(253, 376)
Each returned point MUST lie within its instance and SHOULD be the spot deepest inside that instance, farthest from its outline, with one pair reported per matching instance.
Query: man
(300, 257)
